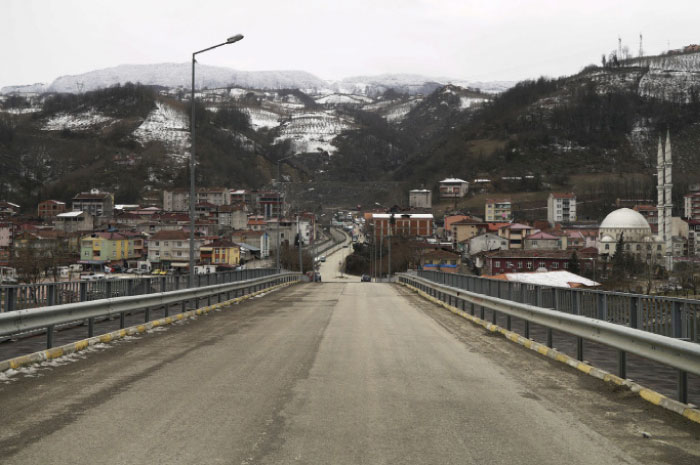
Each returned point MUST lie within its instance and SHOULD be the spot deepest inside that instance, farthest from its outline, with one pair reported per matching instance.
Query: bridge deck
(329, 373)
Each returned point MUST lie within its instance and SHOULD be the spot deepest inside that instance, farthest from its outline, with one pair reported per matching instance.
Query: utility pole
(391, 227)
(381, 246)
(301, 264)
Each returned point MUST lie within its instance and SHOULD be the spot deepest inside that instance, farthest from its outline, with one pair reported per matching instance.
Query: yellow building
(105, 247)
(225, 252)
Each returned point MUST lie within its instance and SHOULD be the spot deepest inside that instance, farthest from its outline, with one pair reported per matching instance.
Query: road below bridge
(341, 373)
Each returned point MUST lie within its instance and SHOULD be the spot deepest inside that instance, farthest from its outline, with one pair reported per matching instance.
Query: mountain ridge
(176, 75)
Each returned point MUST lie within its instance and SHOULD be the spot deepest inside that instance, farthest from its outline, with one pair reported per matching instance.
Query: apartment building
(561, 207)
(498, 210)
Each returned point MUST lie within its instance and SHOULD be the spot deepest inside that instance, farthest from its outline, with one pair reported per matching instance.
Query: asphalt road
(336, 373)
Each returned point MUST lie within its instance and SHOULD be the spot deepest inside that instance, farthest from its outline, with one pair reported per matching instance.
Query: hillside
(369, 136)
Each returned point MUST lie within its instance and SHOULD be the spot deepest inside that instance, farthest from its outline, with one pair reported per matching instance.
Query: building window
(497, 263)
(555, 265)
(520, 265)
(157, 244)
(529, 265)
(607, 246)
(165, 243)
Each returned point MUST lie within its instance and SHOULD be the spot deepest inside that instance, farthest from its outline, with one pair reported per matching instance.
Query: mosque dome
(625, 218)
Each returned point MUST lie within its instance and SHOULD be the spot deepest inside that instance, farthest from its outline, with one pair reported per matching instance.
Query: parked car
(366, 278)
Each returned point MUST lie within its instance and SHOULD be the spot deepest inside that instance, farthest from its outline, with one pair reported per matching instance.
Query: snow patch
(167, 125)
(313, 132)
(260, 118)
(84, 121)
(466, 102)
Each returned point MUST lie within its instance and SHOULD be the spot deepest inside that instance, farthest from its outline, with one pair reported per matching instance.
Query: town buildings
(50, 208)
(498, 210)
(453, 188)
(74, 221)
(402, 224)
(561, 208)
(420, 198)
(96, 203)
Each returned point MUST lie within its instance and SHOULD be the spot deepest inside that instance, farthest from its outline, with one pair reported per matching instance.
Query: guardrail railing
(667, 316)
(32, 319)
(682, 355)
(18, 297)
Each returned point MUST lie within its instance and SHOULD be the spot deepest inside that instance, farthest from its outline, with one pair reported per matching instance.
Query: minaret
(660, 205)
(668, 198)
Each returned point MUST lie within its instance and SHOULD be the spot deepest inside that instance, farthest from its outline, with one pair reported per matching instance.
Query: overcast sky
(472, 40)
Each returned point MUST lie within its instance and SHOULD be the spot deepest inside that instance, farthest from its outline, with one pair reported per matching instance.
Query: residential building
(255, 243)
(214, 195)
(561, 207)
(498, 210)
(240, 196)
(691, 204)
(515, 233)
(693, 237)
(225, 252)
(440, 260)
(483, 243)
(453, 188)
(172, 249)
(269, 204)
(649, 212)
(466, 229)
(513, 261)
(78, 221)
(176, 200)
(420, 198)
(50, 208)
(541, 240)
(96, 203)
(8, 208)
(6, 230)
(404, 224)
(104, 247)
(232, 216)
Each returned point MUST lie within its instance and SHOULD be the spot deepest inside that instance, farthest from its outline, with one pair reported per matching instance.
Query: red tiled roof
(165, 235)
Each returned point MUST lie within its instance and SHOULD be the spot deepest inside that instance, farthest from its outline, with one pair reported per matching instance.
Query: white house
(453, 187)
(561, 208)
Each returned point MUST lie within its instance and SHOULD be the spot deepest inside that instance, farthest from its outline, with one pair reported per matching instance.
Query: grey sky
(474, 40)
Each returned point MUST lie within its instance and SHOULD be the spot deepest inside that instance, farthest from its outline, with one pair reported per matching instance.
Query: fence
(18, 297)
(667, 316)
(48, 318)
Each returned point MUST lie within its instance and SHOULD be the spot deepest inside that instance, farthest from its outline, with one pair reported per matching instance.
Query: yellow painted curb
(649, 395)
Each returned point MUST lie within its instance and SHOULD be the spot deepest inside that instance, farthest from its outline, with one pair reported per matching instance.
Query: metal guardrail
(18, 297)
(22, 321)
(335, 242)
(681, 355)
(667, 316)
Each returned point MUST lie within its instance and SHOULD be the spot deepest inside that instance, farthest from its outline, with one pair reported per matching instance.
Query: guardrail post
(602, 306)
(122, 320)
(51, 294)
(147, 314)
(166, 311)
(678, 328)
(130, 287)
(91, 327)
(539, 302)
(682, 386)
(10, 296)
(622, 364)
(636, 312)
(108, 289)
(49, 336)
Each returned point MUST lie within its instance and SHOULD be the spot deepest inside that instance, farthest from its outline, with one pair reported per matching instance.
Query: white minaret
(660, 180)
(668, 198)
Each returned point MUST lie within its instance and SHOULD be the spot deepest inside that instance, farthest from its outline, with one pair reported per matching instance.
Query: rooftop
(453, 180)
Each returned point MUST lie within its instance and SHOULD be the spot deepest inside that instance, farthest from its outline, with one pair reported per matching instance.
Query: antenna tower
(80, 85)
(641, 48)
(619, 48)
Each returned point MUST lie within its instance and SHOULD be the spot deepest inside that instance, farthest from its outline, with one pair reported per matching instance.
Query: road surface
(332, 373)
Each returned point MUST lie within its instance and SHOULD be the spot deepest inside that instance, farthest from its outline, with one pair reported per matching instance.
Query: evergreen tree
(618, 258)
(574, 265)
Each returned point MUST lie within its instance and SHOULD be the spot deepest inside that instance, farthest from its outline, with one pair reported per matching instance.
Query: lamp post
(230, 40)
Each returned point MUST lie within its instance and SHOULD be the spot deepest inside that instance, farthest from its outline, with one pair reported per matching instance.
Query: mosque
(639, 239)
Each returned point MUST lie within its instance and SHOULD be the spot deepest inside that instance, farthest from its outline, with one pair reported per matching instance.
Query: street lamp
(230, 40)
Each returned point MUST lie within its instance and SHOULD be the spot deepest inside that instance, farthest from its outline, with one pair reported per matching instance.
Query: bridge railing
(47, 318)
(533, 305)
(667, 316)
(18, 297)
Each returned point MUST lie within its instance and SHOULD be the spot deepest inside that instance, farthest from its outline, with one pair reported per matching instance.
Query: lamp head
(235, 38)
